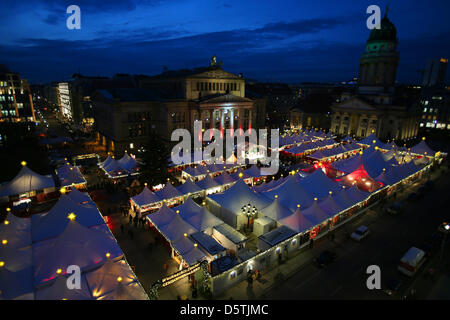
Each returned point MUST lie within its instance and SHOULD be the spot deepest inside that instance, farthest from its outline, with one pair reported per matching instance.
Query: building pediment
(223, 98)
(355, 104)
(216, 74)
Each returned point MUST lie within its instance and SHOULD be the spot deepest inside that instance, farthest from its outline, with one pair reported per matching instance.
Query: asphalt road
(391, 236)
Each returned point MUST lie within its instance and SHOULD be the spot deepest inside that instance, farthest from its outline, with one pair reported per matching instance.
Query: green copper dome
(387, 32)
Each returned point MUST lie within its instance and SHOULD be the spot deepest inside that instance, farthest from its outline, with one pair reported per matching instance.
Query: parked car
(325, 258)
(411, 262)
(360, 233)
(395, 208)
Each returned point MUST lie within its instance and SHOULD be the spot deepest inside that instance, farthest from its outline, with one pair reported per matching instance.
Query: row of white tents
(177, 224)
(123, 167)
(39, 254)
(149, 200)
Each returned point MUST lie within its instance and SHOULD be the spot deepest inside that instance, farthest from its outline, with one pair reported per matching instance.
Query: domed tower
(378, 65)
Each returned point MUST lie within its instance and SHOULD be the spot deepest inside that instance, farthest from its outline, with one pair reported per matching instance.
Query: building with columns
(172, 100)
(377, 106)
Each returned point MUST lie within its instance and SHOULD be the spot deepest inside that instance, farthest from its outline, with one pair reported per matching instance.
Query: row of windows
(3, 98)
(217, 86)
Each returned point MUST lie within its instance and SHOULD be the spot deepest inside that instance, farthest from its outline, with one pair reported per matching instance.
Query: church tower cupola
(378, 64)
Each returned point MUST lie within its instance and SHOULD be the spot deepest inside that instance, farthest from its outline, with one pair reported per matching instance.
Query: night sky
(289, 41)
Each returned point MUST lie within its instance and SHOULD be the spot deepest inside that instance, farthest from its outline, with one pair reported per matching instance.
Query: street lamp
(250, 211)
(444, 229)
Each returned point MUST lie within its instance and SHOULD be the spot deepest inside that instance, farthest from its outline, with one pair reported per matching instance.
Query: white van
(411, 261)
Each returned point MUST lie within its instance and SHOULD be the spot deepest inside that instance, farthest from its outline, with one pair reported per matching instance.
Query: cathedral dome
(387, 32)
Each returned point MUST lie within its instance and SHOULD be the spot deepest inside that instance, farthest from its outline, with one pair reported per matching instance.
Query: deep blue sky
(291, 41)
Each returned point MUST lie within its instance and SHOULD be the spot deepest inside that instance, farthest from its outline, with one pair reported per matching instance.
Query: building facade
(173, 100)
(378, 106)
(16, 102)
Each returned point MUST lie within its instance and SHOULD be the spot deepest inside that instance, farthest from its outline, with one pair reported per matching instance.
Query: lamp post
(250, 211)
(444, 229)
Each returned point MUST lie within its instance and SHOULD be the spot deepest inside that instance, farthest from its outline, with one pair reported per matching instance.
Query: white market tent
(318, 184)
(315, 213)
(55, 221)
(330, 206)
(290, 193)
(145, 198)
(79, 197)
(17, 285)
(133, 291)
(27, 181)
(224, 179)
(276, 211)
(197, 216)
(297, 222)
(422, 148)
(58, 290)
(227, 205)
(189, 187)
(188, 251)
(128, 163)
(168, 192)
(343, 199)
(207, 183)
(77, 245)
(104, 280)
(161, 217)
(176, 229)
(16, 231)
(70, 176)
(356, 195)
(369, 140)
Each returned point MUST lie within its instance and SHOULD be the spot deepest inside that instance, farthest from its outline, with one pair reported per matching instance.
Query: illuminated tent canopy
(26, 181)
(69, 175)
(77, 245)
(168, 192)
(55, 221)
(59, 290)
(369, 140)
(297, 222)
(423, 149)
(104, 280)
(315, 214)
(318, 184)
(290, 193)
(146, 197)
(190, 253)
(276, 211)
(163, 216)
(79, 197)
(189, 187)
(176, 229)
(224, 178)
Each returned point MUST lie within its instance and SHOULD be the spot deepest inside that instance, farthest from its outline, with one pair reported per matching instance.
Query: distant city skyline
(288, 41)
